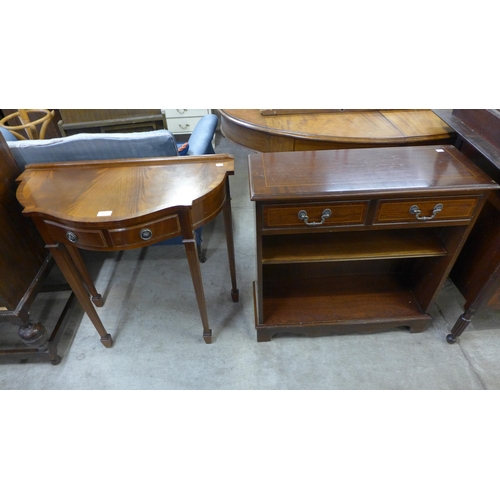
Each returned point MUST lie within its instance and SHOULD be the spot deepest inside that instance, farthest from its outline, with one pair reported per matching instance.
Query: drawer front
(183, 113)
(149, 232)
(182, 125)
(425, 209)
(79, 237)
(311, 216)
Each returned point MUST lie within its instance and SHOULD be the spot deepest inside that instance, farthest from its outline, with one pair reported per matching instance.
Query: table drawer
(149, 232)
(88, 238)
(314, 215)
(425, 209)
(182, 125)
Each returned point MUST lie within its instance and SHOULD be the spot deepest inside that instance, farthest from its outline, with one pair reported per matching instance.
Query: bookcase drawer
(314, 215)
(425, 209)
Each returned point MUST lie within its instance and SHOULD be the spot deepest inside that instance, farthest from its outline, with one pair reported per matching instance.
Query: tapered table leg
(82, 269)
(73, 277)
(194, 268)
(228, 224)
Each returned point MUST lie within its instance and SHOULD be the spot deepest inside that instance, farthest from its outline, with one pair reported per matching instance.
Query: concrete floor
(151, 312)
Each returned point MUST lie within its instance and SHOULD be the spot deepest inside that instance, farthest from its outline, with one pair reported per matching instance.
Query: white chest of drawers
(183, 121)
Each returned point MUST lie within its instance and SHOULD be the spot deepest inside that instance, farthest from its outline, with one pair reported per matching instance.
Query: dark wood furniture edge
(39, 343)
(276, 112)
(490, 152)
(110, 122)
(33, 334)
(486, 148)
(229, 120)
(50, 353)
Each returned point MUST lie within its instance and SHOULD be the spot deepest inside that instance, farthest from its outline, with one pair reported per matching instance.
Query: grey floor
(151, 313)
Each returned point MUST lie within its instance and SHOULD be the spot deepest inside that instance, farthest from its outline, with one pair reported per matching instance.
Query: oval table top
(303, 130)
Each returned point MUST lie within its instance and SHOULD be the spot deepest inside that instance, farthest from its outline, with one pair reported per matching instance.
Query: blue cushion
(7, 134)
(200, 141)
(81, 147)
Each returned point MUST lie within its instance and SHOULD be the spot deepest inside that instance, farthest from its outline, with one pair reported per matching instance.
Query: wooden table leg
(82, 269)
(228, 224)
(195, 270)
(72, 275)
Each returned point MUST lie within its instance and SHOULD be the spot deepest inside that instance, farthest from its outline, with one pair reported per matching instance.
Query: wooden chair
(30, 127)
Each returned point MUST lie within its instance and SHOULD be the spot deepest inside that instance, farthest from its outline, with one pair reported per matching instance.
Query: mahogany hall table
(123, 204)
(298, 130)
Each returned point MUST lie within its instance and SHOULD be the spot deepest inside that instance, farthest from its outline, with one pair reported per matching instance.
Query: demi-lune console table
(117, 205)
(358, 240)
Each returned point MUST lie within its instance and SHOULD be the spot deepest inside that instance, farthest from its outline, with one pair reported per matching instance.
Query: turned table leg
(461, 324)
(35, 335)
(71, 273)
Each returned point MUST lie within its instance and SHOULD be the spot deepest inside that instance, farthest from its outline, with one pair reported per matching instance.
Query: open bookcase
(358, 240)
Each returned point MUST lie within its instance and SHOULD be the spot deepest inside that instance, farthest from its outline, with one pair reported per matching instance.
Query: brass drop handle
(414, 210)
(146, 234)
(304, 217)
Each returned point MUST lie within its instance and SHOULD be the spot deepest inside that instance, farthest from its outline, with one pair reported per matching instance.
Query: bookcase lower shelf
(344, 304)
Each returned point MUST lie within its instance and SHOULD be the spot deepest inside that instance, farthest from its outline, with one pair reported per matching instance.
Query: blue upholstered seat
(7, 134)
(109, 146)
(112, 146)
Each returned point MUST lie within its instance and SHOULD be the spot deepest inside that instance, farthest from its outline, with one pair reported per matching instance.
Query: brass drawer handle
(146, 234)
(325, 215)
(72, 236)
(414, 210)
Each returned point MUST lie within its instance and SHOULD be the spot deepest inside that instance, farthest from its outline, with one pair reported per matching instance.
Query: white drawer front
(182, 113)
(182, 125)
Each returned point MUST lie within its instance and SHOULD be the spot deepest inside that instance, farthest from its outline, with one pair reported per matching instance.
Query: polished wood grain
(310, 175)
(129, 189)
(124, 204)
(333, 130)
(377, 264)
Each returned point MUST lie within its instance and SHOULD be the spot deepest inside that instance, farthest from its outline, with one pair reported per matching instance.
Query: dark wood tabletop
(317, 174)
(333, 129)
(107, 193)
